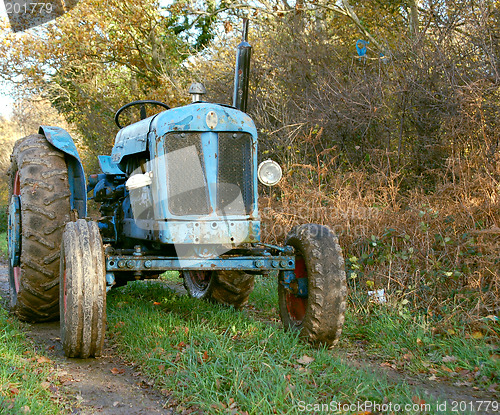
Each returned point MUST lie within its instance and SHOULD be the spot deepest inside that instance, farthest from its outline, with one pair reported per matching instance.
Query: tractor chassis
(257, 262)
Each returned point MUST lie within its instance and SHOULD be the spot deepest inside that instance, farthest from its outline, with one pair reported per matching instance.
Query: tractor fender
(61, 140)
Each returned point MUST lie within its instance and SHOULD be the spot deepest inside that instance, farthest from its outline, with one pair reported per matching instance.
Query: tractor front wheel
(230, 288)
(82, 290)
(318, 310)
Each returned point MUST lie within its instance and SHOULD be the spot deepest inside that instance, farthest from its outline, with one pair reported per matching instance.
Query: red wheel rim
(200, 279)
(16, 271)
(296, 306)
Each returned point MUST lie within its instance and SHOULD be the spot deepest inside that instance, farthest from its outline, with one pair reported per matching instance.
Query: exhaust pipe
(242, 71)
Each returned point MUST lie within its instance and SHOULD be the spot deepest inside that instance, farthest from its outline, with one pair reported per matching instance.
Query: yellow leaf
(477, 335)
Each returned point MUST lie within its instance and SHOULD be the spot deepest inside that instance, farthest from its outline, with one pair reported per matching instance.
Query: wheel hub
(14, 231)
(201, 279)
(296, 285)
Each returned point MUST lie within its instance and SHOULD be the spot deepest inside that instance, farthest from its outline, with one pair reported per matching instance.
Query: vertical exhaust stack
(242, 71)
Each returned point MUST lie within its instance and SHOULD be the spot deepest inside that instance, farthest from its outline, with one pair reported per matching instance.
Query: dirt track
(95, 386)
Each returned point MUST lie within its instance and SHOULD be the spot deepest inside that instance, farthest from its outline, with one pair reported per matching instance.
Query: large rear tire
(319, 315)
(39, 208)
(83, 290)
(231, 288)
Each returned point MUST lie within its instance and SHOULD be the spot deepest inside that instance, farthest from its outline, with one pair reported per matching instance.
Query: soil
(110, 385)
(453, 395)
(106, 385)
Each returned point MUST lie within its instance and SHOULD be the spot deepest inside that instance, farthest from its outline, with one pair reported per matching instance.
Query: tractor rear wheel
(39, 208)
(319, 314)
(230, 288)
(83, 290)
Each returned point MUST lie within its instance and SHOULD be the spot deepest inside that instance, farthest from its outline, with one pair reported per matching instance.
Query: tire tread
(327, 288)
(43, 216)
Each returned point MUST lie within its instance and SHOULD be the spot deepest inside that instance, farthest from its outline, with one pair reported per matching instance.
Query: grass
(417, 344)
(218, 359)
(3, 245)
(28, 383)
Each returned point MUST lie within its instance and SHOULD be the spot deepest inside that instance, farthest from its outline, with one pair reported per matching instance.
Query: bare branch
(352, 15)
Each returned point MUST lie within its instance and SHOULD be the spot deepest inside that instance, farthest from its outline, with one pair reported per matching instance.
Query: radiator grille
(234, 187)
(186, 176)
(187, 185)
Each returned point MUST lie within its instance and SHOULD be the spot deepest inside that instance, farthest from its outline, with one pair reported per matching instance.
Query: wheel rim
(296, 306)
(200, 279)
(65, 296)
(14, 233)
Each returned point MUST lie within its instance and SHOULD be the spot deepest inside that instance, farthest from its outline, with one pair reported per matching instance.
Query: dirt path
(106, 385)
(453, 394)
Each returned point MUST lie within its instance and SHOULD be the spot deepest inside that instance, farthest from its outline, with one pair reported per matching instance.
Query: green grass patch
(26, 379)
(170, 276)
(216, 358)
(417, 343)
(3, 245)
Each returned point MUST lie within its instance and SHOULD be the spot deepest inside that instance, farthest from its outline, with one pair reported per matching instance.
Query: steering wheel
(142, 105)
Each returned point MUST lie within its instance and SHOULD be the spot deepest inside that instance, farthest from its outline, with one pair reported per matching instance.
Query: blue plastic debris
(361, 47)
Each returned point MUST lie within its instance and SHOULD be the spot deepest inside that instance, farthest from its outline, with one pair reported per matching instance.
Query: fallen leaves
(13, 390)
(388, 364)
(43, 359)
(180, 346)
(117, 371)
(204, 358)
(418, 401)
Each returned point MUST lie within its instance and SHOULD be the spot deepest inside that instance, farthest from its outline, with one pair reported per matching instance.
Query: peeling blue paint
(61, 140)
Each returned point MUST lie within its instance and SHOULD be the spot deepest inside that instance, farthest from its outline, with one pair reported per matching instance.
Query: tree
(101, 55)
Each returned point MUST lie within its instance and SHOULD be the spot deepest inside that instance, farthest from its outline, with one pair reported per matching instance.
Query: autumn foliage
(397, 149)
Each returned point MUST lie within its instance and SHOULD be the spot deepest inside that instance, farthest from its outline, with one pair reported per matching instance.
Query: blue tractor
(178, 192)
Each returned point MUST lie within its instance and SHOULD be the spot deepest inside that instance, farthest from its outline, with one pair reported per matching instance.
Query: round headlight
(269, 172)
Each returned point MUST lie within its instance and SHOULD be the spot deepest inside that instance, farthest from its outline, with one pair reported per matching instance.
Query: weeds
(3, 245)
(421, 343)
(439, 251)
